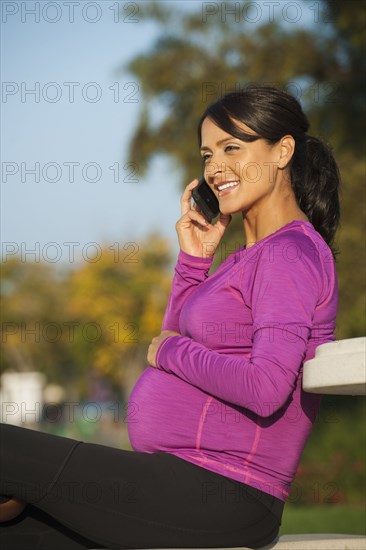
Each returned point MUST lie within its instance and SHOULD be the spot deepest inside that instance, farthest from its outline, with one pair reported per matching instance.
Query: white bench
(338, 368)
(310, 542)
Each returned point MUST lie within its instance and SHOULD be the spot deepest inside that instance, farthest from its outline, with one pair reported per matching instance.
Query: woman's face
(250, 169)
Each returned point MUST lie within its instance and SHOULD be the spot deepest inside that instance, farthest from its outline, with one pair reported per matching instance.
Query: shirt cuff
(159, 357)
(185, 258)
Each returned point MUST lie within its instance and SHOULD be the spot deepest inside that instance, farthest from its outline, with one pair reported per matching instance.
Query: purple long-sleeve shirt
(227, 394)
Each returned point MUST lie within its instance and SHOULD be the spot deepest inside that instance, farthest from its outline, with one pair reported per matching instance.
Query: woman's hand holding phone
(196, 235)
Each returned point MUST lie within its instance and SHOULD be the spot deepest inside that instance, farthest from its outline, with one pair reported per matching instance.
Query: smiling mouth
(226, 188)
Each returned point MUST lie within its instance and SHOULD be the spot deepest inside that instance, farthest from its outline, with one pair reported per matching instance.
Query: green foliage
(33, 310)
(351, 268)
(323, 519)
(332, 468)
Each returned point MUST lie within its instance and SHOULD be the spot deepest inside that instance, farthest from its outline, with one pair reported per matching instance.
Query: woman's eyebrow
(218, 142)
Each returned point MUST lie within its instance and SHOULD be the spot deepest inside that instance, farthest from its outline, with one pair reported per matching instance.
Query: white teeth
(230, 184)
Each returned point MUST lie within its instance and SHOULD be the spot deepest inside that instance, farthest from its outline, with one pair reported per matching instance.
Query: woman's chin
(226, 209)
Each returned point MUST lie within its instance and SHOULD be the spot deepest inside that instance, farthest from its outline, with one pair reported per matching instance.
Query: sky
(67, 118)
(64, 148)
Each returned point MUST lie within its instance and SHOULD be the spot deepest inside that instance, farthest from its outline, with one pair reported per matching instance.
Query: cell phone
(206, 199)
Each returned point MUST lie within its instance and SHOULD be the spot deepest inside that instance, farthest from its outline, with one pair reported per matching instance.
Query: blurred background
(100, 102)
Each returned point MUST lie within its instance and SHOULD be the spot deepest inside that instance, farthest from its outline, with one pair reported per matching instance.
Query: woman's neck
(260, 225)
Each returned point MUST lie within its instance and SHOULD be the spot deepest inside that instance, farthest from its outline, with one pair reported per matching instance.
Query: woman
(221, 416)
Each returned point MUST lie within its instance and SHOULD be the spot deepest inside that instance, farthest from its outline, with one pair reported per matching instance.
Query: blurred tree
(118, 304)
(344, 118)
(204, 55)
(32, 314)
(200, 56)
(96, 319)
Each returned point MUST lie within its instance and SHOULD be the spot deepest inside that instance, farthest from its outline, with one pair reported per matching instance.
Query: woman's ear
(287, 149)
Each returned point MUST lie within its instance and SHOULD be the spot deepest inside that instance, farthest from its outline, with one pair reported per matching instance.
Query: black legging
(85, 495)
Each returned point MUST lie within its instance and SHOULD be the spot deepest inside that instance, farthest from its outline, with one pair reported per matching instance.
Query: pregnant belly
(167, 412)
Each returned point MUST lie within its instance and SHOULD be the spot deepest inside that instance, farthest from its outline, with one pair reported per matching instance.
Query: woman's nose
(214, 168)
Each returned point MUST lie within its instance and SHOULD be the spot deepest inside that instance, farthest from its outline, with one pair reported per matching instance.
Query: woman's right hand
(196, 235)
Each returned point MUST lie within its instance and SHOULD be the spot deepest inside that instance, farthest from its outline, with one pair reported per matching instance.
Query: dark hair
(272, 114)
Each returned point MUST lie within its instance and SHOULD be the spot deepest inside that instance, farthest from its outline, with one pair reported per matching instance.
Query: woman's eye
(229, 148)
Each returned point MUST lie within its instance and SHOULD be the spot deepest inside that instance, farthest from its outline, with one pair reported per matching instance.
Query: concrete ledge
(318, 542)
(338, 367)
(308, 542)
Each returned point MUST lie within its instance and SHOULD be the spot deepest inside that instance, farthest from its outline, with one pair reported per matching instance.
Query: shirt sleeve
(283, 297)
(189, 272)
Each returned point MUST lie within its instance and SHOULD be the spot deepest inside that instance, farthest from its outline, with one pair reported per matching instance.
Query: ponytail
(315, 181)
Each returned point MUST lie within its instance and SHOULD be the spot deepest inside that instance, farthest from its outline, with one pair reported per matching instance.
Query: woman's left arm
(283, 301)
